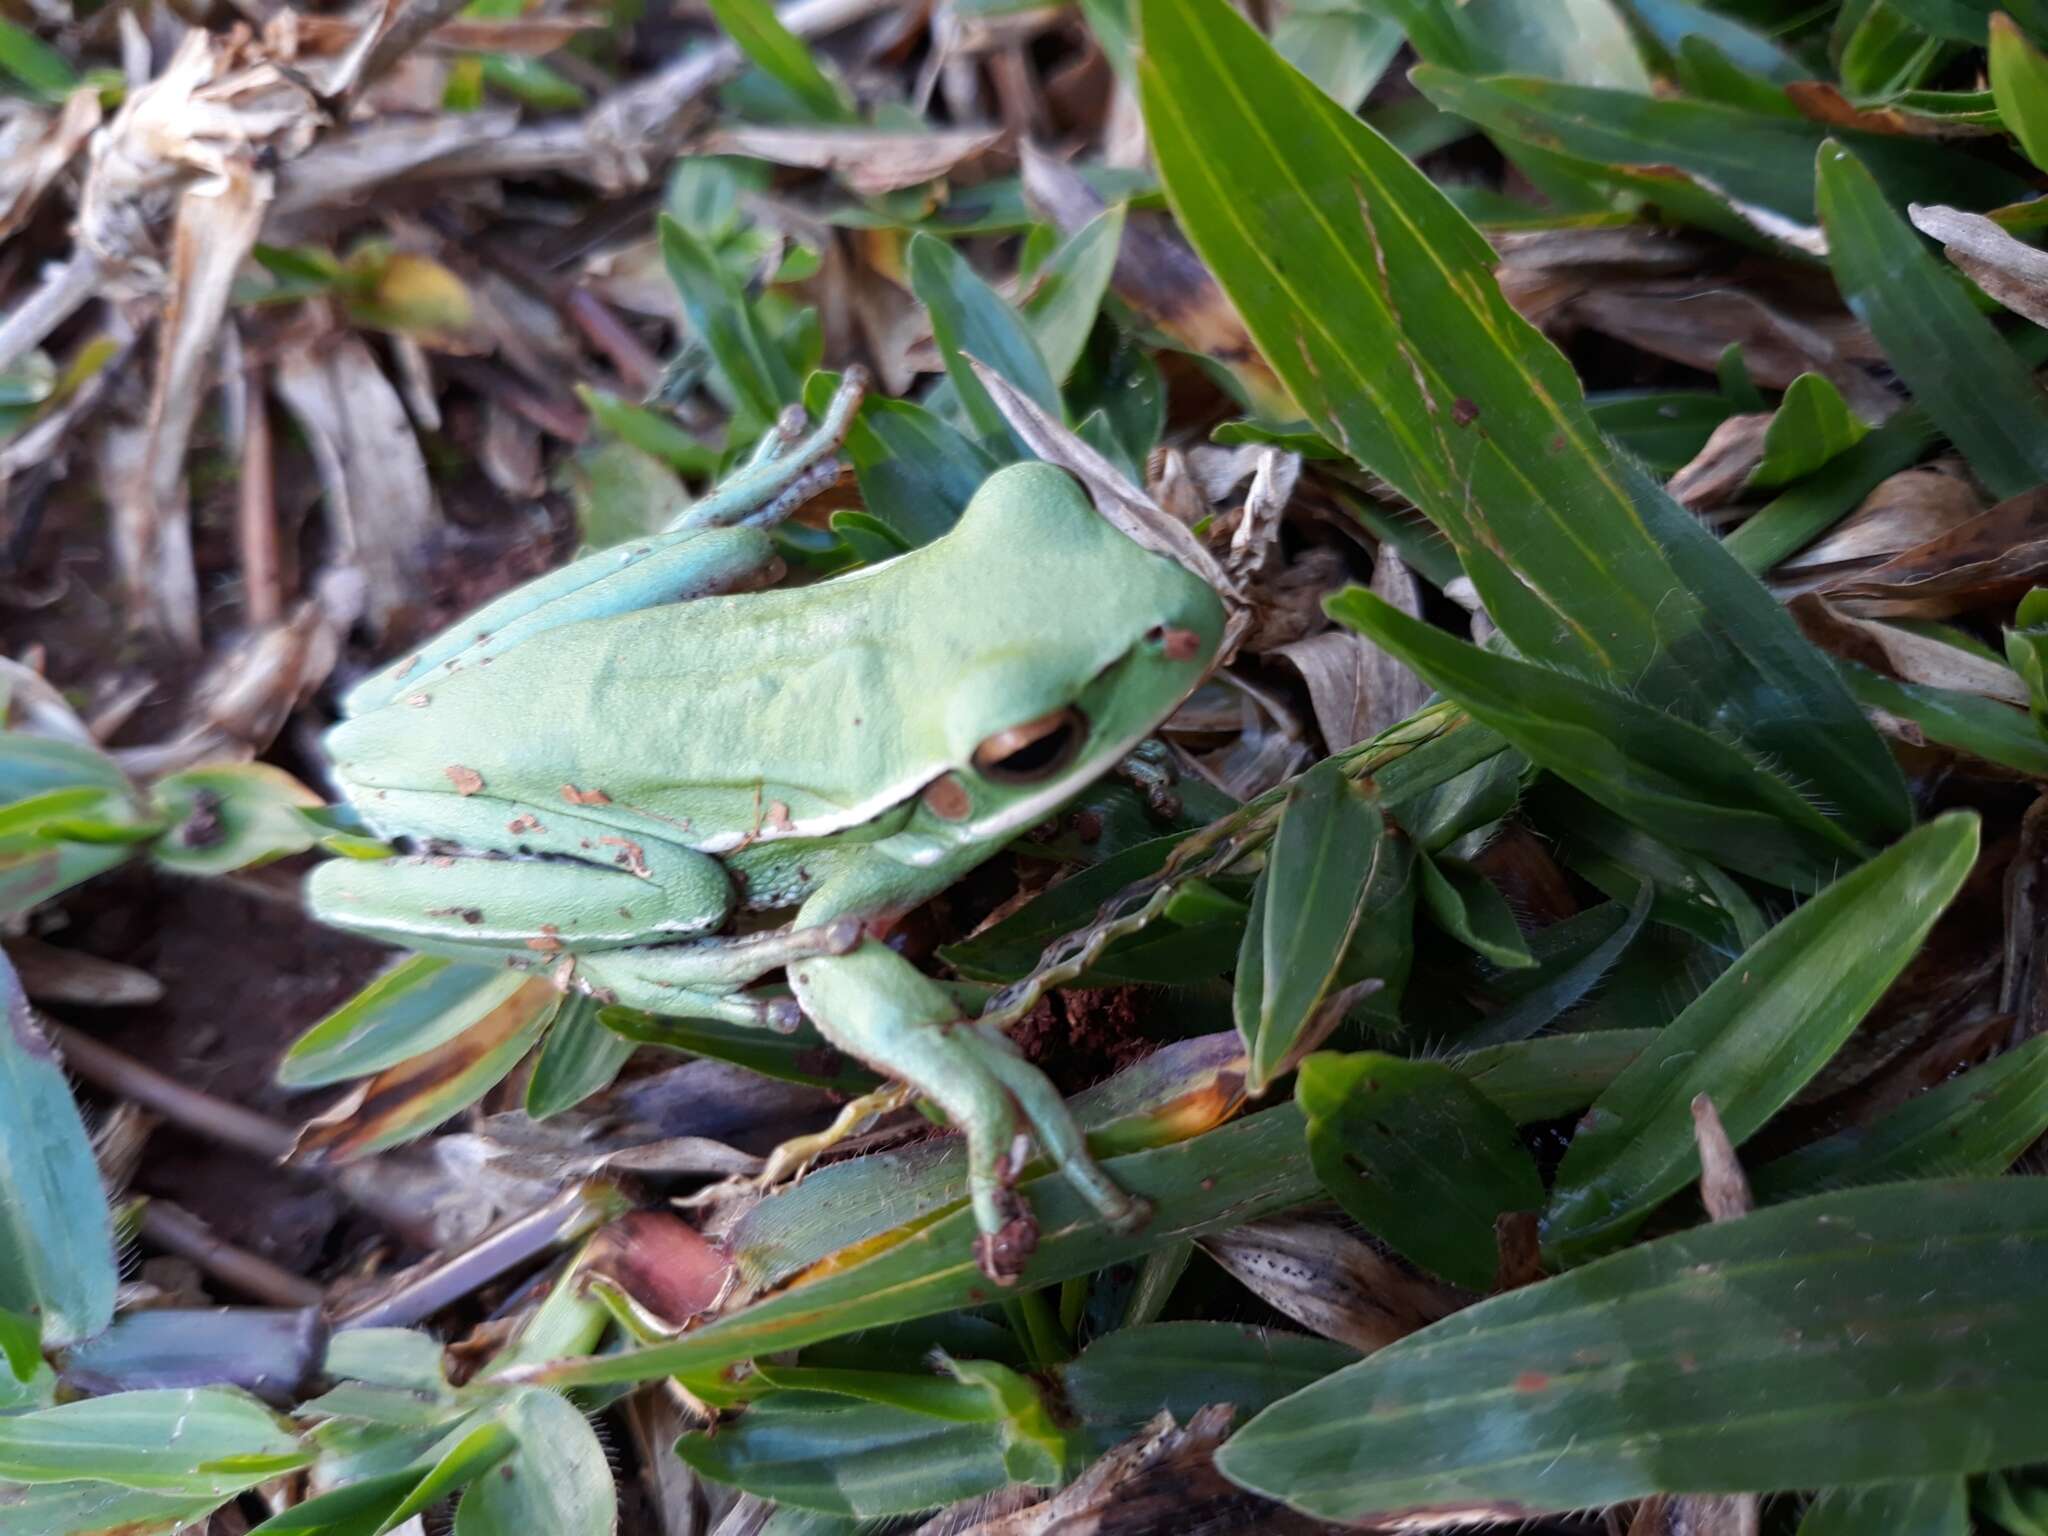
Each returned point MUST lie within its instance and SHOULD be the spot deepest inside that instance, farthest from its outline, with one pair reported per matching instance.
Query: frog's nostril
(1033, 751)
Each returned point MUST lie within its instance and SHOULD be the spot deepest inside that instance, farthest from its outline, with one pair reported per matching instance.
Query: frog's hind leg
(1061, 1135)
(878, 1007)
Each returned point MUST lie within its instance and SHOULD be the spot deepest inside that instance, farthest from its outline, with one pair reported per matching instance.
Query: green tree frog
(663, 781)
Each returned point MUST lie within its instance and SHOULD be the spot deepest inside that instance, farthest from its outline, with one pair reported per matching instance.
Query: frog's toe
(1003, 1253)
(1136, 1216)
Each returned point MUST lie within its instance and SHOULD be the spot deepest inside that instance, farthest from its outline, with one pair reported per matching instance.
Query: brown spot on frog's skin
(577, 796)
(631, 856)
(546, 942)
(946, 798)
(467, 781)
(1180, 644)
(1464, 412)
(420, 700)
(519, 825)
(778, 817)
(470, 915)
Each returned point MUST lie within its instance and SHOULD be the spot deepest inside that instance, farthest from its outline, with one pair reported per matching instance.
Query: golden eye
(1034, 751)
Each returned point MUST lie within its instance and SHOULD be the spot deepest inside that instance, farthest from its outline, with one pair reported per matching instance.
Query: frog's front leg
(875, 1005)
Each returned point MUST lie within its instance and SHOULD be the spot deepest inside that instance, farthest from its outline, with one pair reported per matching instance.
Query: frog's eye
(1033, 751)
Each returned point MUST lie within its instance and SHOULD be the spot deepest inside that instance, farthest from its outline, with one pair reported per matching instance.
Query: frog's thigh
(647, 573)
(874, 1005)
(644, 892)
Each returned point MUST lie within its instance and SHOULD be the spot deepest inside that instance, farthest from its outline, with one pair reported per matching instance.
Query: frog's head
(1079, 645)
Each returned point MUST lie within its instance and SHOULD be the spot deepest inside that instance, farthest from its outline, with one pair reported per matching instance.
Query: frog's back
(806, 710)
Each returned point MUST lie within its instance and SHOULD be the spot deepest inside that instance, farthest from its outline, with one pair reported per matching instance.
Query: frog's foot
(1003, 1253)
(1056, 1128)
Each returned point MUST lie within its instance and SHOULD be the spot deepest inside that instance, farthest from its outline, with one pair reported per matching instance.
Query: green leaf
(916, 470)
(2019, 84)
(1673, 22)
(1812, 426)
(1755, 1037)
(1810, 1343)
(1417, 1156)
(88, 1509)
(1973, 1125)
(1665, 431)
(818, 1451)
(232, 816)
(579, 1057)
(557, 1478)
(1532, 1080)
(361, 1507)
(1966, 722)
(1691, 788)
(1562, 980)
(1066, 295)
(1374, 301)
(1790, 522)
(1964, 20)
(33, 62)
(652, 432)
(195, 1440)
(1305, 908)
(56, 1243)
(1468, 908)
(1245, 1170)
(421, 1002)
(780, 53)
(756, 377)
(803, 1056)
(1926, 1506)
(1753, 157)
(1127, 1378)
(970, 319)
(532, 81)
(1343, 48)
(1960, 370)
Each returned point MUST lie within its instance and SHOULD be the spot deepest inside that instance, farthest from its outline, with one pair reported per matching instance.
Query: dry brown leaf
(1988, 561)
(1161, 1479)
(52, 975)
(1825, 103)
(347, 1130)
(1906, 654)
(1329, 1280)
(1357, 689)
(869, 162)
(215, 229)
(1782, 336)
(379, 503)
(301, 34)
(2007, 268)
(34, 150)
(1905, 510)
(1724, 1187)
(1724, 464)
(1697, 1514)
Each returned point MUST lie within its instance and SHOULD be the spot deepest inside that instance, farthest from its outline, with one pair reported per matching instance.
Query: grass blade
(1754, 1037)
(1417, 1156)
(1959, 368)
(1813, 1342)
(1374, 300)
